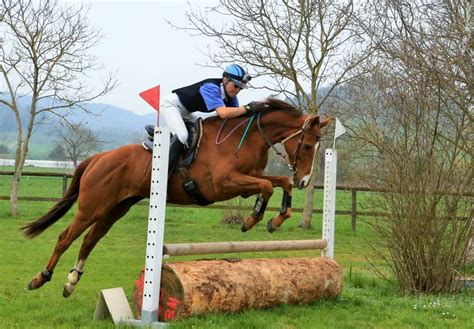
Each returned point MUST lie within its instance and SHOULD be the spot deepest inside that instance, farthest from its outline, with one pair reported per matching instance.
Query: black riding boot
(176, 147)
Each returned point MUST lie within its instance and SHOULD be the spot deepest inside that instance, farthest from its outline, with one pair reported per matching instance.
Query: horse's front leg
(237, 183)
(285, 211)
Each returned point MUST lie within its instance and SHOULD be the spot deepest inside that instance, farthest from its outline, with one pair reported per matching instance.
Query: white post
(329, 207)
(156, 225)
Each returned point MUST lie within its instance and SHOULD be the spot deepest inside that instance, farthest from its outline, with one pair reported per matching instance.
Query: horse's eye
(307, 147)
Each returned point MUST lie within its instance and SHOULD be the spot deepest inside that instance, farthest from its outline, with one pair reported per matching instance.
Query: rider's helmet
(237, 75)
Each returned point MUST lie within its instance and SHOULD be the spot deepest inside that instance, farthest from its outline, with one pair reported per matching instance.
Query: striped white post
(156, 226)
(329, 206)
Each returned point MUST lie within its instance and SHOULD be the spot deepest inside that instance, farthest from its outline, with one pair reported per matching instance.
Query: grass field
(366, 301)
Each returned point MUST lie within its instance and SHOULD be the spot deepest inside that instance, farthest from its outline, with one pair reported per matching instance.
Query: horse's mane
(279, 105)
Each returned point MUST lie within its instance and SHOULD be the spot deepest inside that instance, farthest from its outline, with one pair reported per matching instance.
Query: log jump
(233, 285)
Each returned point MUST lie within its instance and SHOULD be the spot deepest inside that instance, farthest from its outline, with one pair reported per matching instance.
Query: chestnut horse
(106, 185)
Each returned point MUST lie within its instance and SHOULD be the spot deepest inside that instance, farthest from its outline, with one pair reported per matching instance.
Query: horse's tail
(36, 227)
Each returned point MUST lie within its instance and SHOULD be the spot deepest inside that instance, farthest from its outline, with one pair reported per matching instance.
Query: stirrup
(150, 130)
(148, 145)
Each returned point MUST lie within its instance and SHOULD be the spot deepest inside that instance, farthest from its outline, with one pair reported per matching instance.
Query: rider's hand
(257, 107)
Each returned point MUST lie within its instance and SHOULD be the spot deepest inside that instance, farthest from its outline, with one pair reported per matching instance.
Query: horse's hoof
(68, 290)
(30, 286)
(270, 227)
(36, 282)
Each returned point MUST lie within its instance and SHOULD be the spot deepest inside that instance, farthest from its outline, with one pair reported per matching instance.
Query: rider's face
(231, 89)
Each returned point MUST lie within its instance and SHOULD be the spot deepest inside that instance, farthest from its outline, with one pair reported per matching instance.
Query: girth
(192, 189)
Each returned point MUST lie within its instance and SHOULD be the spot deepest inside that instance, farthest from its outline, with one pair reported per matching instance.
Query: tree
(302, 45)
(3, 149)
(57, 153)
(45, 57)
(411, 117)
(78, 142)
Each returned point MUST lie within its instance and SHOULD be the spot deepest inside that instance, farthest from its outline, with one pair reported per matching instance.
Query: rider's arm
(224, 112)
(212, 95)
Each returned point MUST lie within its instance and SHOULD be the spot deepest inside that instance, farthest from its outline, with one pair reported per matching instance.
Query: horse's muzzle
(298, 183)
(301, 183)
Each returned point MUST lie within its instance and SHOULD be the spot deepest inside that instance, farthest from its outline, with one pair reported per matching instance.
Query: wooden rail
(181, 249)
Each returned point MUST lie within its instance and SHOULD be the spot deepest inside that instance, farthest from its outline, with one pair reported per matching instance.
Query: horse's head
(302, 147)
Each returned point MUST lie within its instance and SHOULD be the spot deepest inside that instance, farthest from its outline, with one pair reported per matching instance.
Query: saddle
(186, 158)
(193, 142)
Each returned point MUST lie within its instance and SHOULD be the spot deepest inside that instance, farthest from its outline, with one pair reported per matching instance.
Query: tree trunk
(14, 194)
(19, 162)
(309, 196)
(20, 157)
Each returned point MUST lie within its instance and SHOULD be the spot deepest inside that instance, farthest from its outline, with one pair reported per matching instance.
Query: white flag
(339, 129)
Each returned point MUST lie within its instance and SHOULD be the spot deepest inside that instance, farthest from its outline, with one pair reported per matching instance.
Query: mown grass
(366, 301)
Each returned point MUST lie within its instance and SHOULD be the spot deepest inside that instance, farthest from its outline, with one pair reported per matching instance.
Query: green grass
(366, 301)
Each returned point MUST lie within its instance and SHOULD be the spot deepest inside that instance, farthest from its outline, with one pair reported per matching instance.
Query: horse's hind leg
(97, 231)
(71, 233)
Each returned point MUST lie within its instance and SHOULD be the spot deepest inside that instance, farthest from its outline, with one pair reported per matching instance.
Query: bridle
(303, 130)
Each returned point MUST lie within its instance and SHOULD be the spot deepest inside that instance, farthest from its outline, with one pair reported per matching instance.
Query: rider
(217, 96)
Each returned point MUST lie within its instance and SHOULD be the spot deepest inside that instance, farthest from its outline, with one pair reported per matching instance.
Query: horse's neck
(279, 125)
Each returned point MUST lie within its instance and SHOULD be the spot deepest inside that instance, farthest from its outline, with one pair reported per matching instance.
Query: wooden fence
(353, 212)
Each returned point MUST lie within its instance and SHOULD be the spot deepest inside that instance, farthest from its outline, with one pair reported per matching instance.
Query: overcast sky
(145, 51)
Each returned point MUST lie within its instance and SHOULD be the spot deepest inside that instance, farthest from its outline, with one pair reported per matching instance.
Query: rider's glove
(256, 107)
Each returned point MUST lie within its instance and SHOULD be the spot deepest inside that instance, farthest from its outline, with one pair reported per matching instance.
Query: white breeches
(173, 114)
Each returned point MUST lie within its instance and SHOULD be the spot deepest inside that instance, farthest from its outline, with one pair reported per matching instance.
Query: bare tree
(302, 45)
(45, 58)
(78, 142)
(412, 120)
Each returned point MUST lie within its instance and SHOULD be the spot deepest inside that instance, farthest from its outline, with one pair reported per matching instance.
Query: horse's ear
(326, 121)
(314, 121)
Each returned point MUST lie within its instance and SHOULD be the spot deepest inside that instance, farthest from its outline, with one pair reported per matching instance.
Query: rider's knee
(182, 136)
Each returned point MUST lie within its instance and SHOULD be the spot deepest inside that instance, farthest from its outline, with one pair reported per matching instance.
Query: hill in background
(115, 125)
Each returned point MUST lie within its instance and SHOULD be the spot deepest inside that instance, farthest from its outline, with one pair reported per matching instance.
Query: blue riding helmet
(237, 75)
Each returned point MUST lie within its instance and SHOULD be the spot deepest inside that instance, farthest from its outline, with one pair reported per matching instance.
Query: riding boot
(176, 147)
(150, 129)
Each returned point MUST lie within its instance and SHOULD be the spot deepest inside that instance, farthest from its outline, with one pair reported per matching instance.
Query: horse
(107, 184)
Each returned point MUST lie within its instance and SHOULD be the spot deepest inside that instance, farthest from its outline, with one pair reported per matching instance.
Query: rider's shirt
(205, 96)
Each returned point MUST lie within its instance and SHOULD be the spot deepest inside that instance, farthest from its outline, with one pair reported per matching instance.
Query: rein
(302, 131)
(218, 142)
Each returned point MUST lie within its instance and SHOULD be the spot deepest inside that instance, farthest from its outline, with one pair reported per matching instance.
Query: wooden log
(232, 285)
(180, 249)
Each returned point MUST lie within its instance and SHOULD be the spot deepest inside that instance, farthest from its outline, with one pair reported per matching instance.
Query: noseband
(301, 132)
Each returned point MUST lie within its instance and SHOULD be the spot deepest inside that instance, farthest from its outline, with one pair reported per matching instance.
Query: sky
(144, 50)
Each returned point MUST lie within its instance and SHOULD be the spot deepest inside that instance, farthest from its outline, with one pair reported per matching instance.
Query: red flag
(152, 97)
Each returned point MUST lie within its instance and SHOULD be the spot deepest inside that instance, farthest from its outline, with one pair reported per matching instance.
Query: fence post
(354, 209)
(64, 184)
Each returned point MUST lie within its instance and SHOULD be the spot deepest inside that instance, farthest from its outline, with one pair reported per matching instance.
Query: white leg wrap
(73, 278)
